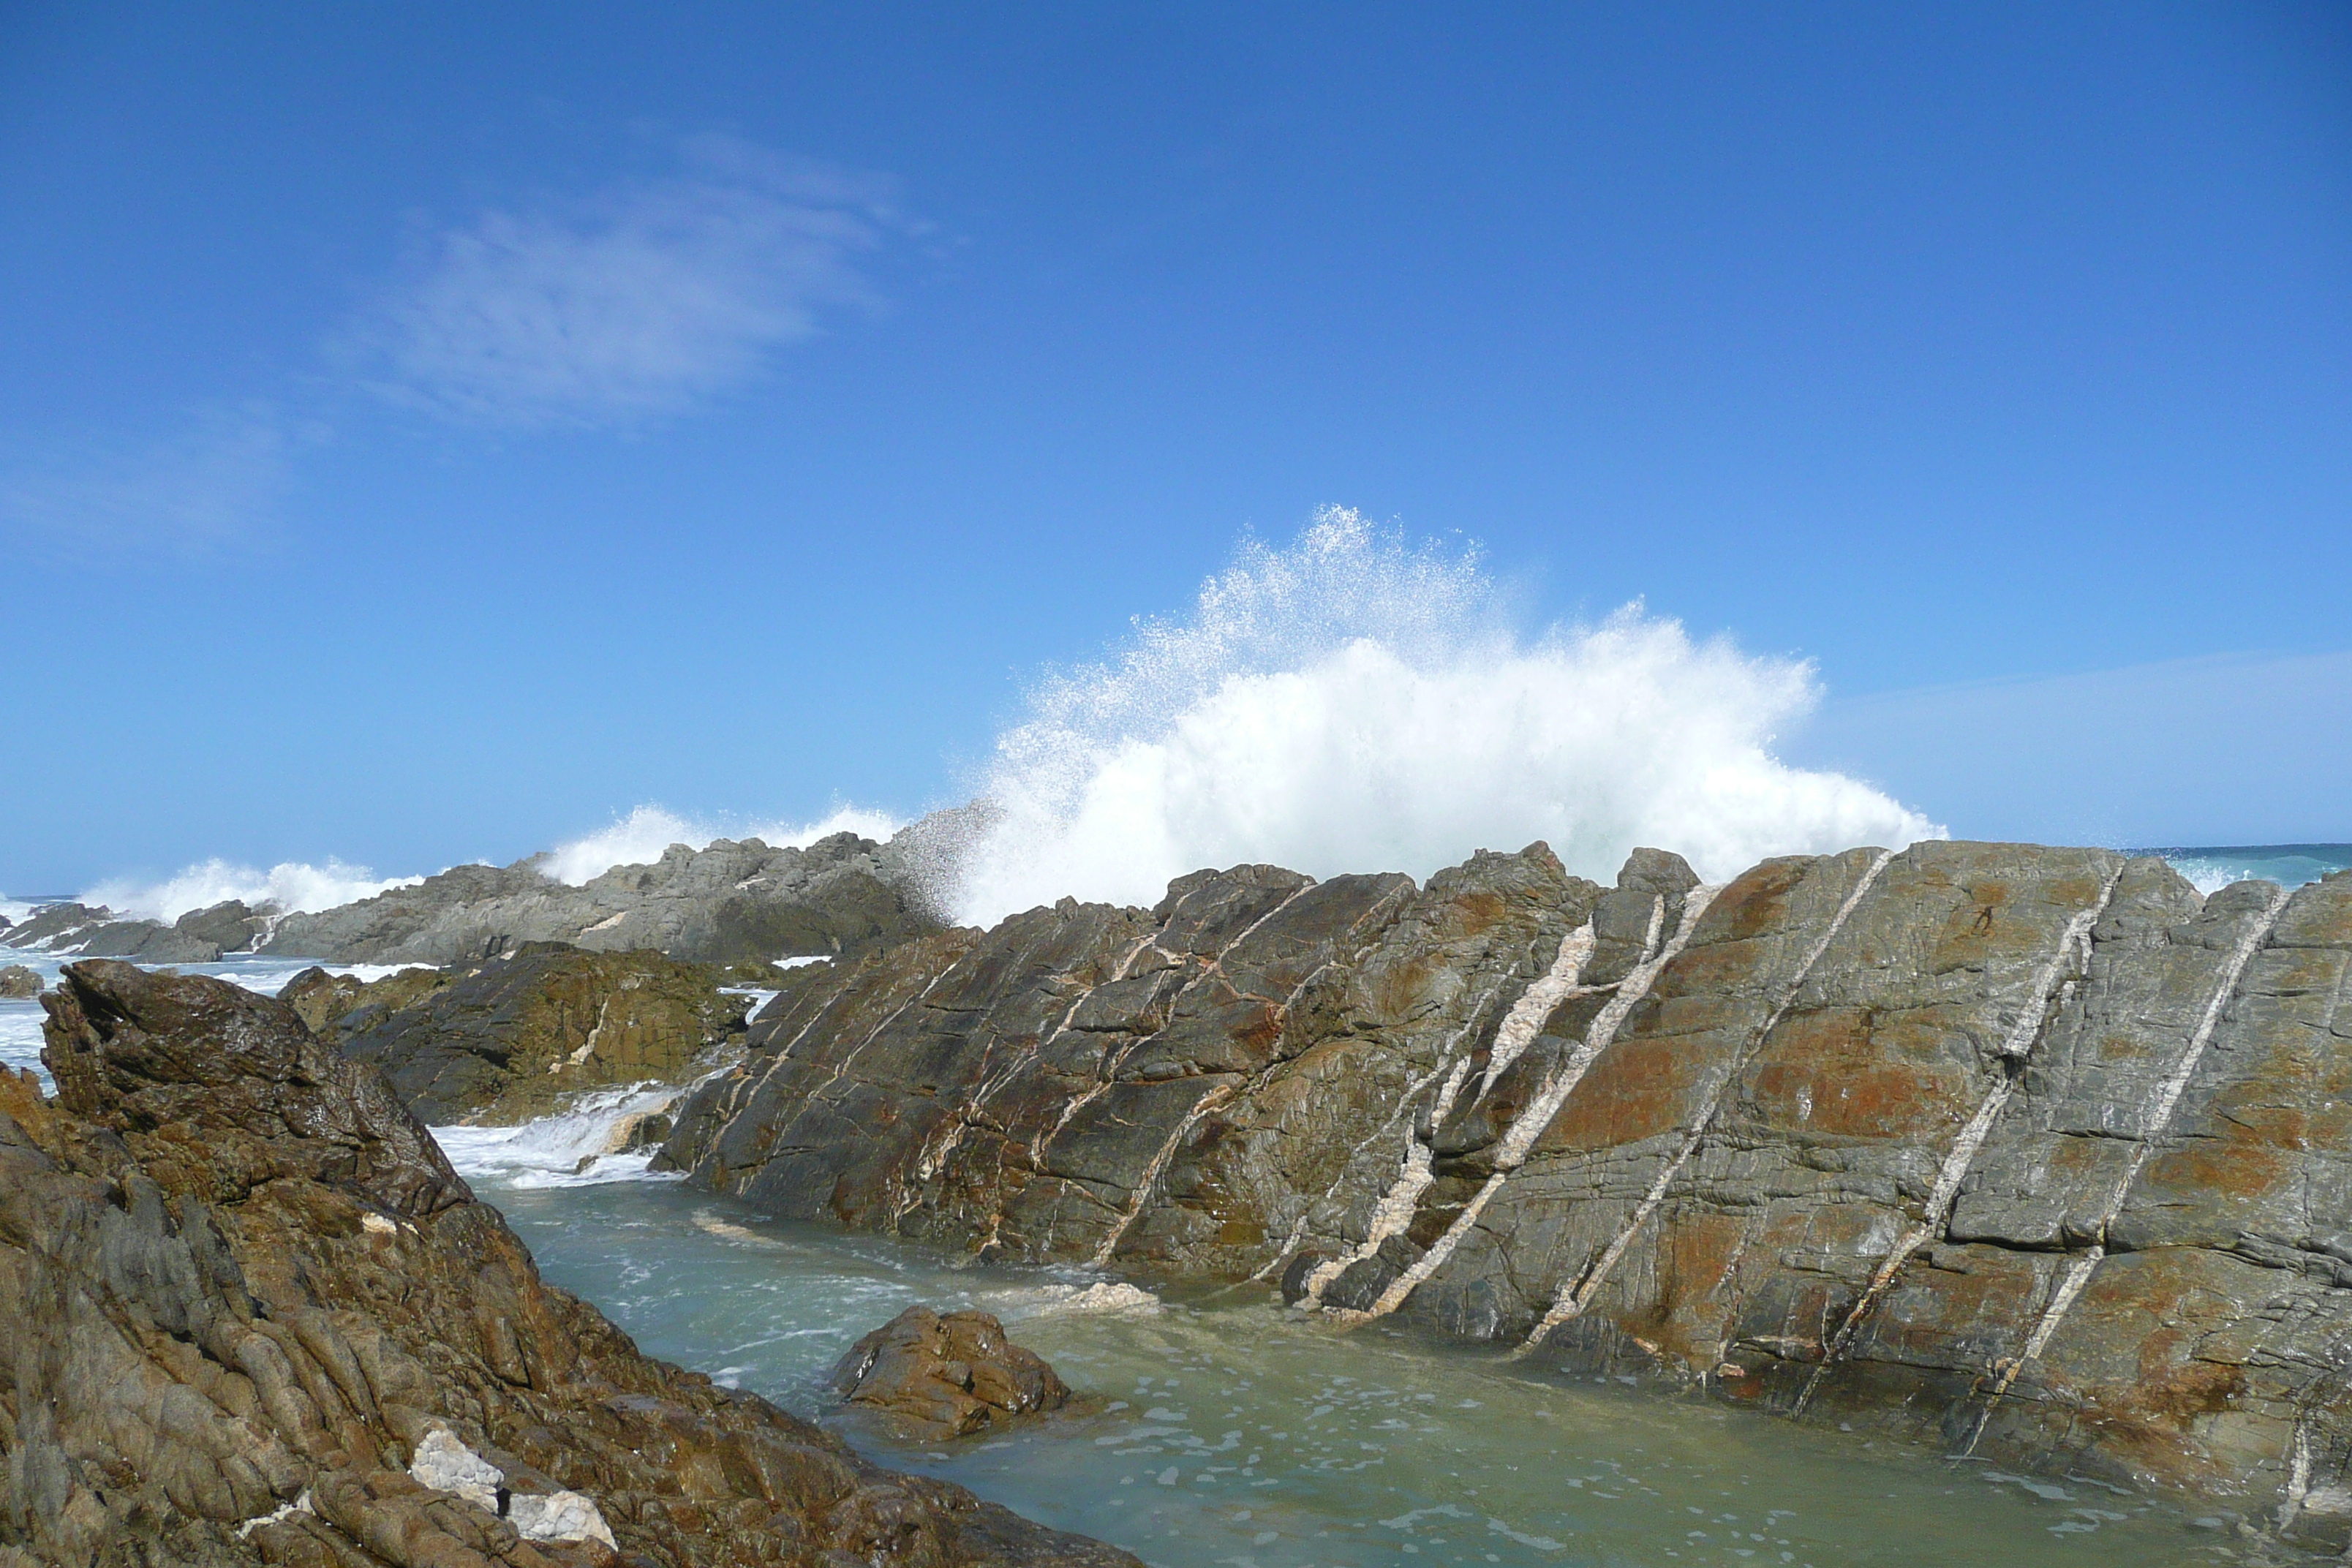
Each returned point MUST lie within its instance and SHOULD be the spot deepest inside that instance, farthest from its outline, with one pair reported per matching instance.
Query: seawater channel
(1223, 1430)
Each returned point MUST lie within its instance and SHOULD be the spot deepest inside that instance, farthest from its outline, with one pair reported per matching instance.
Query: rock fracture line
(2161, 1109)
(1574, 1299)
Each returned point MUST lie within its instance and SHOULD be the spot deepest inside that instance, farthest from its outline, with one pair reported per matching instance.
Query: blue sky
(425, 433)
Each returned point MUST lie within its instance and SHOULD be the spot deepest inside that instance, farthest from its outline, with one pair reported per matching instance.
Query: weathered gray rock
(933, 1375)
(56, 926)
(2029, 1152)
(729, 902)
(200, 936)
(249, 1314)
(18, 982)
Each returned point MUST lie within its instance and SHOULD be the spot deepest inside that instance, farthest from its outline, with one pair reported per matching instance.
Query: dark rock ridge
(508, 1039)
(2027, 1152)
(251, 1315)
(933, 1375)
(731, 902)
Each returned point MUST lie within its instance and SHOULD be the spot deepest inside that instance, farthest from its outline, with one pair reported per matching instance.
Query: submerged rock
(19, 983)
(2023, 1151)
(251, 1315)
(934, 1376)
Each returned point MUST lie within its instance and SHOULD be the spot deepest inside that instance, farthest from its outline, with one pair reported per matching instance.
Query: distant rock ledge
(729, 902)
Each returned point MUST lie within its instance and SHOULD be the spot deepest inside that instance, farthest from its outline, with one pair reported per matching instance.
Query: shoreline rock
(512, 1039)
(252, 1316)
(2019, 1150)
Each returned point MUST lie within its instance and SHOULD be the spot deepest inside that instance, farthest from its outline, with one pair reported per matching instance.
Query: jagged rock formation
(249, 1315)
(505, 1040)
(200, 936)
(2028, 1151)
(19, 983)
(729, 902)
(336, 1005)
(931, 1375)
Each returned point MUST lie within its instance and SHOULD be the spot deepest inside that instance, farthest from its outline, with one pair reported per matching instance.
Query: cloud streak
(214, 484)
(645, 299)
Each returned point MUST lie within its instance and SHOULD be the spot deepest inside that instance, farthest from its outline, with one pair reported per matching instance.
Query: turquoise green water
(1234, 1433)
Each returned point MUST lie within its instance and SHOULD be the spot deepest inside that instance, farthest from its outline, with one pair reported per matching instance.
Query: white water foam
(293, 886)
(639, 838)
(1350, 703)
(565, 1150)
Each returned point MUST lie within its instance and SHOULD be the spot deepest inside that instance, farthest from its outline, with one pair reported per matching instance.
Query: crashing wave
(287, 888)
(1350, 703)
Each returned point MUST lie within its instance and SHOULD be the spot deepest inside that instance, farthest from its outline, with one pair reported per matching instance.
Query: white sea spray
(1353, 703)
(292, 886)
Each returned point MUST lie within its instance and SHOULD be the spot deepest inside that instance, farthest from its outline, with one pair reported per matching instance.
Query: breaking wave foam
(292, 886)
(572, 1148)
(1350, 703)
(640, 838)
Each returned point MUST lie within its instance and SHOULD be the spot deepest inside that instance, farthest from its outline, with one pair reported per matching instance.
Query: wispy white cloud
(644, 299)
(214, 484)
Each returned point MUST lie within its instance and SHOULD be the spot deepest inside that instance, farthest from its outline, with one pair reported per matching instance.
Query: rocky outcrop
(505, 1040)
(933, 1375)
(19, 983)
(200, 936)
(336, 1005)
(251, 1315)
(2028, 1151)
(731, 902)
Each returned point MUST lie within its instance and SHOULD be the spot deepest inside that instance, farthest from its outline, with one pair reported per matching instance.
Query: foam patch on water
(1350, 703)
(2289, 865)
(569, 1148)
(292, 886)
(1108, 1296)
(640, 838)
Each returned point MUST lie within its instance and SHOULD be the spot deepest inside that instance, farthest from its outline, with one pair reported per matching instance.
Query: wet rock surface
(933, 1375)
(511, 1039)
(252, 1316)
(2025, 1152)
(731, 901)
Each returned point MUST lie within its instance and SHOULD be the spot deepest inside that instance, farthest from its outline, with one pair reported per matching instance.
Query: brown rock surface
(2024, 1151)
(19, 983)
(935, 1375)
(507, 1040)
(246, 1305)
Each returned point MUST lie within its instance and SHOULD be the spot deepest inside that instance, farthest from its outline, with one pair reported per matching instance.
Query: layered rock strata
(508, 1039)
(2031, 1151)
(251, 1315)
